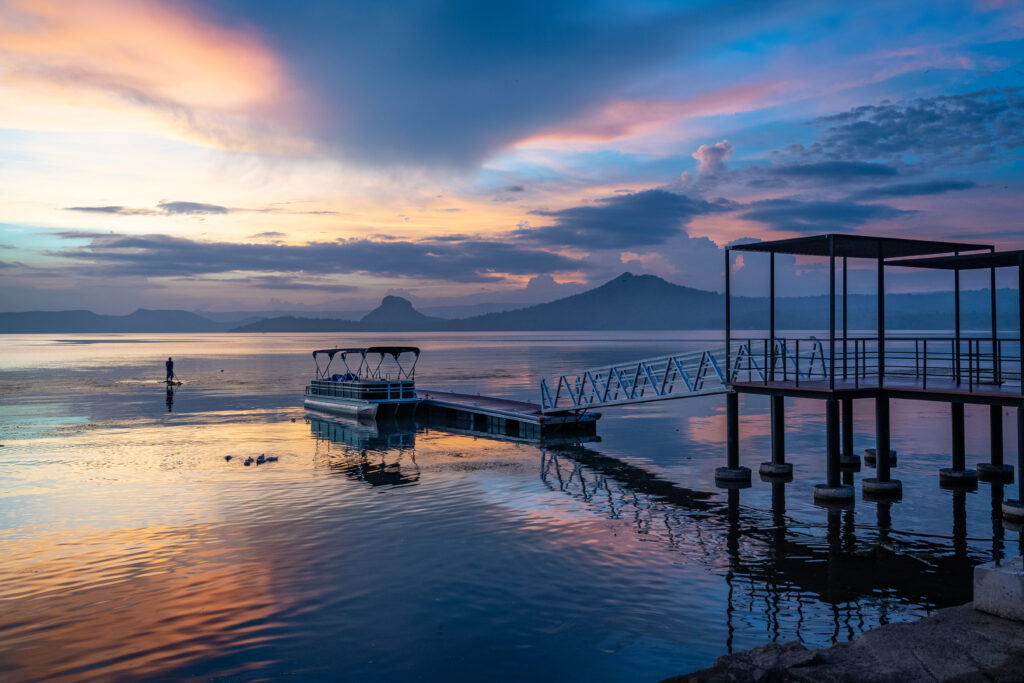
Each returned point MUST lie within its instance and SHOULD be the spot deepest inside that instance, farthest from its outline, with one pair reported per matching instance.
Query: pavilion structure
(957, 369)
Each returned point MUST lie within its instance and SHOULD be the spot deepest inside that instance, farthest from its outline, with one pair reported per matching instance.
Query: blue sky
(259, 154)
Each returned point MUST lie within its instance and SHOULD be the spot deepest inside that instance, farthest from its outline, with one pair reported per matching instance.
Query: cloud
(5, 264)
(966, 128)
(119, 210)
(290, 283)
(711, 158)
(514, 188)
(471, 260)
(267, 235)
(833, 171)
(795, 215)
(622, 221)
(191, 208)
(929, 187)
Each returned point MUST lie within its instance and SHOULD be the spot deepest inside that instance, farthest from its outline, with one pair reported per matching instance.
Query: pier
(501, 416)
(955, 369)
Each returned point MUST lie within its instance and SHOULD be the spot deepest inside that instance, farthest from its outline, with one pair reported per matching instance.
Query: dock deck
(503, 416)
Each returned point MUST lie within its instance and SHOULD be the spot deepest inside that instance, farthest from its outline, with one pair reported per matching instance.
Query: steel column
(995, 424)
(847, 427)
(882, 438)
(845, 330)
(832, 317)
(728, 326)
(956, 318)
(959, 448)
(771, 316)
(881, 333)
(778, 429)
(995, 329)
(732, 421)
(832, 471)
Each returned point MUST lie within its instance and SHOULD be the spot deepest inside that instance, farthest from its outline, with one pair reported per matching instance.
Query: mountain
(629, 302)
(72, 322)
(396, 314)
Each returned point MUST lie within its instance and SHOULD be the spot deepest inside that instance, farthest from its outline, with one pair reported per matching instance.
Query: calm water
(130, 548)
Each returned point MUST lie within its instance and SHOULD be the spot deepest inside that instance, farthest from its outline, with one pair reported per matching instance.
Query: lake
(131, 548)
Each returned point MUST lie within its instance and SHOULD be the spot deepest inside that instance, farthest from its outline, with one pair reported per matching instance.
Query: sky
(248, 155)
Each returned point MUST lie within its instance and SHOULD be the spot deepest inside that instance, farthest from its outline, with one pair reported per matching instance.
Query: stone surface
(999, 589)
(954, 644)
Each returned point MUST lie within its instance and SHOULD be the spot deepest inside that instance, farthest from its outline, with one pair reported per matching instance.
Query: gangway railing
(966, 364)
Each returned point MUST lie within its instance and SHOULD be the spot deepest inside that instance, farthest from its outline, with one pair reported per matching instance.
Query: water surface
(129, 546)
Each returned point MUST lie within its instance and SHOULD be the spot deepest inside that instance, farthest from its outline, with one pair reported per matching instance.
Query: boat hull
(345, 407)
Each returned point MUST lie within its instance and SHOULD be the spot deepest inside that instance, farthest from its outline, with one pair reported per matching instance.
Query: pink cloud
(711, 158)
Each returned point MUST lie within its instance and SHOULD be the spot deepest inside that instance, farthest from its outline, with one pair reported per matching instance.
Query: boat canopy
(367, 369)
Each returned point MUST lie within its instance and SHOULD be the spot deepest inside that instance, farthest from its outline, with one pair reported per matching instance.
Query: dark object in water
(260, 460)
(227, 458)
(222, 371)
(293, 419)
(272, 458)
(248, 461)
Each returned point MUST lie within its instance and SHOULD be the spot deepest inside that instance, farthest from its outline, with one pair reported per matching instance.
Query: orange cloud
(140, 58)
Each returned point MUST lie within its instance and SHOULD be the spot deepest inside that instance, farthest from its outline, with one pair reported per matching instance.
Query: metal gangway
(964, 365)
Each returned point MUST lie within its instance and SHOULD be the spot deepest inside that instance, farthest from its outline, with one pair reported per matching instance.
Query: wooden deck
(504, 416)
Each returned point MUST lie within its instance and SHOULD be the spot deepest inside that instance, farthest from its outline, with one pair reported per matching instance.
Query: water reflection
(170, 396)
(774, 564)
(372, 452)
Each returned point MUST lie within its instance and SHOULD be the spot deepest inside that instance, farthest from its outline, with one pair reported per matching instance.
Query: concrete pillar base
(948, 475)
(871, 457)
(881, 490)
(776, 469)
(999, 589)
(989, 472)
(775, 478)
(732, 477)
(850, 462)
(1013, 509)
(824, 492)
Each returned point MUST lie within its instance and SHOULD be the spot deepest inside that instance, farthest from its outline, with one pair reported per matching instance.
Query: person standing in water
(170, 369)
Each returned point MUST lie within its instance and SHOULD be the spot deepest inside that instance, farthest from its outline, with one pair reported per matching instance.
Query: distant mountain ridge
(628, 302)
(142, 320)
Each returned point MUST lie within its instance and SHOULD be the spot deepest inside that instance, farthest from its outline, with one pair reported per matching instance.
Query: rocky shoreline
(953, 644)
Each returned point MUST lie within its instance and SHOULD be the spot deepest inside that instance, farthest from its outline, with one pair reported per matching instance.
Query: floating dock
(501, 416)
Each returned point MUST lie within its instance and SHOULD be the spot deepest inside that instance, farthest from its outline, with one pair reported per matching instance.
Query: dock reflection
(862, 572)
(375, 453)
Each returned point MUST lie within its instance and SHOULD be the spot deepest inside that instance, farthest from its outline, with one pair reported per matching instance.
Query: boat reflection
(378, 453)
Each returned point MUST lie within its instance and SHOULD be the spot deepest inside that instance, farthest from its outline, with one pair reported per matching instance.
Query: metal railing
(653, 379)
(363, 390)
(971, 364)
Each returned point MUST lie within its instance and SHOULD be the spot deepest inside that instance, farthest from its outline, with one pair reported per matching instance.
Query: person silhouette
(170, 369)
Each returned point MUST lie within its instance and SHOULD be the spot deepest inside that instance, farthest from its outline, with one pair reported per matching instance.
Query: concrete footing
(850, 462)
(999, 589)
(776, 469)
(952, 477)
(989, 472)
(1013, 509)
(871, 457)
(732, 477)
(824, 492)
(875, 489)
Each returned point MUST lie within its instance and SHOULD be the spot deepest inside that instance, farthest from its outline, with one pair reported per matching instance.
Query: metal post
(771, 313)
(1020, 447)
(832, 442)
(832, 315)
(995, 425)
(881, 321)
(728, 327)
(956, 318)
(847, 427)
(778, 429)
(732, 419)
(845, 330)
(1020, 317)
(995, 329)
(959, 449)
(882, 447)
